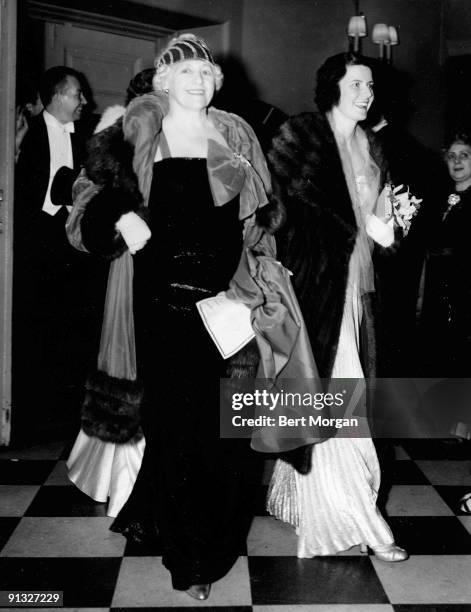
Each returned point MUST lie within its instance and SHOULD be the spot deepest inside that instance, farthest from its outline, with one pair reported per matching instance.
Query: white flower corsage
(453, 200)
(404, 206)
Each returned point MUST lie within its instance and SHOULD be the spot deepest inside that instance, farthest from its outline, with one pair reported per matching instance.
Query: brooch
(241, 158)
(453, 200)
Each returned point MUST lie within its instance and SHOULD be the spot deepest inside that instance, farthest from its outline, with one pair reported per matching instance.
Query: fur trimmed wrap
(317, 242)
(117, 179)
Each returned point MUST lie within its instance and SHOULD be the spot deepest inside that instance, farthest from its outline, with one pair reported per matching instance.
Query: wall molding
(116, 17)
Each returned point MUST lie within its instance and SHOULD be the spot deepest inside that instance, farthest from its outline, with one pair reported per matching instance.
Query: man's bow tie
(69, 127)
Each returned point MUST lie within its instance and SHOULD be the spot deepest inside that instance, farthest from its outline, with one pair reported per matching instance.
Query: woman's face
(190, 84)
(356, 93)
(458, 159)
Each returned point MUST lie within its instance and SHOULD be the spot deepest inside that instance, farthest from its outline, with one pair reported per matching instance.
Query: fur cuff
(99, 233)
(112, 408)
(244, 364)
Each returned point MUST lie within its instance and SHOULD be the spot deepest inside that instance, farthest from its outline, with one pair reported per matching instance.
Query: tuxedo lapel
(44, 155)
(78, 146)
(39, 162)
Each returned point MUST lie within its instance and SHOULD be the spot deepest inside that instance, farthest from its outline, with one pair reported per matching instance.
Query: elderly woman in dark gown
(185, 183)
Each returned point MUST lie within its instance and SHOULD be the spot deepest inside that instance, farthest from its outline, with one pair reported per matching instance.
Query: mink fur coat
(317, 240)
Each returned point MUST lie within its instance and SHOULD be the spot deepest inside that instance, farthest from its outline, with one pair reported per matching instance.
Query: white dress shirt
(60, 149)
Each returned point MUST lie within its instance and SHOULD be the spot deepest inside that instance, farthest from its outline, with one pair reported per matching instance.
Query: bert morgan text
(285, 421)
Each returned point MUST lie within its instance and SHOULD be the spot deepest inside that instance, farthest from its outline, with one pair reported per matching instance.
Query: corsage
(404, 206)
(453, 200)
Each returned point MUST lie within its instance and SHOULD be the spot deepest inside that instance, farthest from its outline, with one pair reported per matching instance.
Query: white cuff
(134, 230)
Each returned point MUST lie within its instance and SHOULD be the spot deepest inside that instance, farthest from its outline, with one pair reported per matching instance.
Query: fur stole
(318, 239)
(111, 410)
(109, 117)
(109, 165)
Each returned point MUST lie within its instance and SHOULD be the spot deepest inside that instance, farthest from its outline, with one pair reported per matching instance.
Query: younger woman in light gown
(329, 173)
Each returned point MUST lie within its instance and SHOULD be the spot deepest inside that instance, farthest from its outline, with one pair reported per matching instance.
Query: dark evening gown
(193, 490)
(446, 318)
(455, 234)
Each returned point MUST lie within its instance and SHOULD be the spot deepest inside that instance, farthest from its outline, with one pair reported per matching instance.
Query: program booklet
(228, 323)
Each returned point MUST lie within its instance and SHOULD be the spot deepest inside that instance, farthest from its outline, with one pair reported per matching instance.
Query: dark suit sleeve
(33, 167)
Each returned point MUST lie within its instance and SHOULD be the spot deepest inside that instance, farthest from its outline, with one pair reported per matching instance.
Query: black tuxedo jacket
(33, 166)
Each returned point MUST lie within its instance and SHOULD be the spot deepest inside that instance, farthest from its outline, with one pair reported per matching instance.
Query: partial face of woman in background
(191, 84)
(458, 159)
(356, 93)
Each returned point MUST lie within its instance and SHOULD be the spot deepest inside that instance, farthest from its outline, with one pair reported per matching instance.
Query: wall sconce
(356, 30)
(380, 36)
(393, 40)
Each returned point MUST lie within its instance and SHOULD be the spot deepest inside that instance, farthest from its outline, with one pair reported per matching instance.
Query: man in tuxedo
(51, 279)
(54, 140)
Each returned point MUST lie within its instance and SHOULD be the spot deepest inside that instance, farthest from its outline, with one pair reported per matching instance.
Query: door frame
(119, 17)
(8, 27)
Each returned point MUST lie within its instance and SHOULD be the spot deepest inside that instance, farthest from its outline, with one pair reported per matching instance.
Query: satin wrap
(286, 359)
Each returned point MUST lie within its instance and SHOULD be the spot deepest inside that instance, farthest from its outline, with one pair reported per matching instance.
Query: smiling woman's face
(458, 159)
(190, 84)
(356, 93)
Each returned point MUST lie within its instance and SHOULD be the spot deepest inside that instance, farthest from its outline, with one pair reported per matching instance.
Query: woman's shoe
(465, 503)
(199, 591)
(391, 553)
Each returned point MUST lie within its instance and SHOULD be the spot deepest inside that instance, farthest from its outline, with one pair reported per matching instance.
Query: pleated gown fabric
(335, 505)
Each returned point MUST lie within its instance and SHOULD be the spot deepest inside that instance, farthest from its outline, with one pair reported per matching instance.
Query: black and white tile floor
(52, 537)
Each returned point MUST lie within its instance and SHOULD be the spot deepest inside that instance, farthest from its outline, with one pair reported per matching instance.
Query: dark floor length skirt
(195, 491)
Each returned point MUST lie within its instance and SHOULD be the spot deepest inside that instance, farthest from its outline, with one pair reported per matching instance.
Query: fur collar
(306, 162)
(110, 116)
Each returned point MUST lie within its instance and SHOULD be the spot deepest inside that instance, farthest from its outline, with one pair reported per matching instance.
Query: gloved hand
(382, 232)
(134, 231)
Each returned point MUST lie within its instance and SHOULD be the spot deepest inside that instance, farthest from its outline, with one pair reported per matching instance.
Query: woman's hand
(134, 230)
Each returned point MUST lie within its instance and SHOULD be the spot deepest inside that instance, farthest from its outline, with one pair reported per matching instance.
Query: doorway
(109, 43)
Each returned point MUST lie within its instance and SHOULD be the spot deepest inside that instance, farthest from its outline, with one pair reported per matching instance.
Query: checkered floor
(52, 537)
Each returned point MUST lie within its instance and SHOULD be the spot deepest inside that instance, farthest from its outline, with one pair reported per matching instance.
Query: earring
(166, 91)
